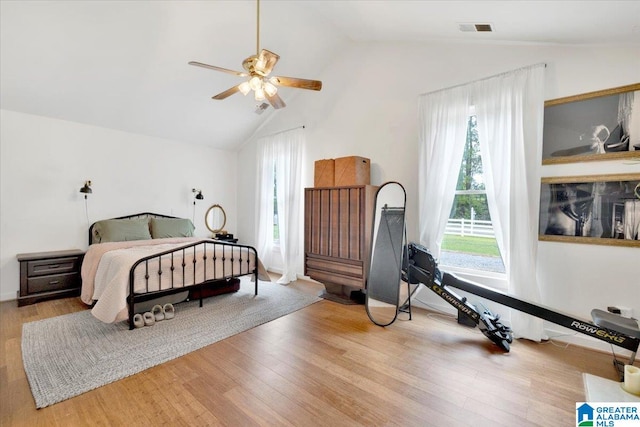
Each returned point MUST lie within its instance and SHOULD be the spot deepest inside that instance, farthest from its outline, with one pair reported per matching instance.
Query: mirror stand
(384, 279)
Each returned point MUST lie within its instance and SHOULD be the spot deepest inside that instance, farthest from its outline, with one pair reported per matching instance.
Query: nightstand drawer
(53, 283)
(46, 267)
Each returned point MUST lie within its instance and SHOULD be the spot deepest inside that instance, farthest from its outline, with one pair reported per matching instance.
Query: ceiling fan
(258, 67)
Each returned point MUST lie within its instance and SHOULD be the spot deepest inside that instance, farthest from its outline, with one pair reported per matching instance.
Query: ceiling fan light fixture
(255, 83)
(244, 88)
(258, 67)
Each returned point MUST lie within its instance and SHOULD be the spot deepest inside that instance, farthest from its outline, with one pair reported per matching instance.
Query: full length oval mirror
(387, 246)
(215, 219)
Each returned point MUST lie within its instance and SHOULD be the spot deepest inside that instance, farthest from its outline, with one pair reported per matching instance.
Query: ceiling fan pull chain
(258, 29)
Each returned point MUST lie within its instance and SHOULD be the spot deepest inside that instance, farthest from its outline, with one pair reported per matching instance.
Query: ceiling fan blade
(276, 101)
(213, 67)
(297, 83)
(266, 61)
(227, 93)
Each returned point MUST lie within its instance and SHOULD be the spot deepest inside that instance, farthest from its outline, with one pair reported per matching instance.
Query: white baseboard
(8, 296)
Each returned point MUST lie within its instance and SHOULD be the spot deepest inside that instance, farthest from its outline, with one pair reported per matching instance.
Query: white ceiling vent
(475, 28)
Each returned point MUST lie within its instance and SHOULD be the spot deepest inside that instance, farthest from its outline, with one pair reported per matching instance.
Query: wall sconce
(198, 195)
(86, 189)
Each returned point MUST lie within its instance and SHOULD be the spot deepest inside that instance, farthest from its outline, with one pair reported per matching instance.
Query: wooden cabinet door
(337, 231)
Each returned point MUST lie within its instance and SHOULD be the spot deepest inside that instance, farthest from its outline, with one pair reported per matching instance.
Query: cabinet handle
(54, 282)
(54, 265)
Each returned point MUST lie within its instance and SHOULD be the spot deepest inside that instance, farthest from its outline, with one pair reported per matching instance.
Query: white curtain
(443, 118)
(510, 109)
(279, 158)
(265, 161)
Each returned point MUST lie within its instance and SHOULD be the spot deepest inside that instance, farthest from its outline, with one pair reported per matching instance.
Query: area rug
(69, 355)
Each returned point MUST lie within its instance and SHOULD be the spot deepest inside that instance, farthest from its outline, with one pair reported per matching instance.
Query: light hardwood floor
(326, 364)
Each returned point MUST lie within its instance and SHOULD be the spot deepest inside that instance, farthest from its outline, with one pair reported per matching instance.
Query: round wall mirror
(215, 219)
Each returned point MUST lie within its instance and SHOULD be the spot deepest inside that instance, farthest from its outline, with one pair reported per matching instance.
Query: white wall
(45, 161)
(368, 108)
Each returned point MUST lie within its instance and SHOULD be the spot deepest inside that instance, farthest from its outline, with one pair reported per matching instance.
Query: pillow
(171, 227)
(120, 230)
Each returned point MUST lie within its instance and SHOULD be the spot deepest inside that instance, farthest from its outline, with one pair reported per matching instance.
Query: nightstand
(226, 240)
(49, 275)
(225, 237)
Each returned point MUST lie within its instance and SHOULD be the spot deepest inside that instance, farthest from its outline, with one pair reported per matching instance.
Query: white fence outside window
(469, 227)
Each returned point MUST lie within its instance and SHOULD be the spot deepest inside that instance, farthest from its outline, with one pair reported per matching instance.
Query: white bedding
(106, 266)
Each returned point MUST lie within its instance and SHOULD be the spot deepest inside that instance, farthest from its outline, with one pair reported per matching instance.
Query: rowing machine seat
(623, 325)
(615, 322)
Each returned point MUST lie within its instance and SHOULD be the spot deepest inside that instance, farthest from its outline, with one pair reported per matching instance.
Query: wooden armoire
(337, 238)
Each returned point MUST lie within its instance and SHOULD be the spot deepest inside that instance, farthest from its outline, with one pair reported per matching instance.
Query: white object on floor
(597, 389)
(632, 379)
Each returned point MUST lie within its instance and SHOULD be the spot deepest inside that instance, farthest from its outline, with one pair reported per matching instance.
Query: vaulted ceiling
(123, 64)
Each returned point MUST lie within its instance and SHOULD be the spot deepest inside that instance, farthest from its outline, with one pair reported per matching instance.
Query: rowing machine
(422, 268)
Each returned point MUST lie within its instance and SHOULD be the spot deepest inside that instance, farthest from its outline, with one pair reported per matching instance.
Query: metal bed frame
(152, 264)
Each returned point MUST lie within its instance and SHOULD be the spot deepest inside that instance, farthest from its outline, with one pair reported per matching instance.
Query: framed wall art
(598, 209)
(600, 125)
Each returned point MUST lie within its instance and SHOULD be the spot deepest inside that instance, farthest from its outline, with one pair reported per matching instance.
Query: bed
(137, 260)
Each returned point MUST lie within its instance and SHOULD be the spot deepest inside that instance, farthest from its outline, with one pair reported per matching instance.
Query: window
(509, 109)
(469, 241)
